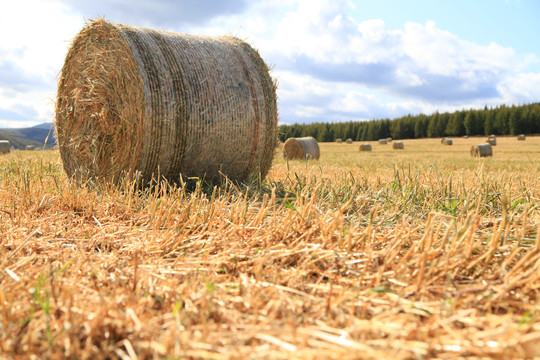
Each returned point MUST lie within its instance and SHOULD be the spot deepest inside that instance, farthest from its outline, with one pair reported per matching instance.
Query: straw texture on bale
(133, 99)
(398, 145)
(365, 147)
(4, 146)
(349, 141)
(492, 141)
(339, 141)
(481, 150)
(383, 141)
(301, 148)
(446, 141)
(521, 137)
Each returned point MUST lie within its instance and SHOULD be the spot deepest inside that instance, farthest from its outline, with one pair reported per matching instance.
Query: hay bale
(446, 141)
(521, 137)
(365, 147)
(4, 147)
(349, 141)
(398, 145)
(383, 141)
(389, 139)
(30, 147)
(339, 141)
(301, 148)
(481, 150)
(466, 136)
(132, 99)
(492, 141)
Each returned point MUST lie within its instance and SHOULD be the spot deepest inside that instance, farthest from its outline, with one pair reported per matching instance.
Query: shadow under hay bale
(132, 99)
(481, 150)
(521, 137)
(365, 147)
(4, 147)
(301, 148)
(383, 141)
(398, 145)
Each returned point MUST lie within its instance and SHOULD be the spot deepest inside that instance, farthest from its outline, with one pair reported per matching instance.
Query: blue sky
(335, 60)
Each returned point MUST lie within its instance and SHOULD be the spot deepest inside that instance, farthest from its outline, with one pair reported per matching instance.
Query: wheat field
(420, 253)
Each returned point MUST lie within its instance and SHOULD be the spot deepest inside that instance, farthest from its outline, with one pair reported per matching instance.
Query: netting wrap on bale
(132, 99)
(4, 146)
(301, 148)
(481, 150)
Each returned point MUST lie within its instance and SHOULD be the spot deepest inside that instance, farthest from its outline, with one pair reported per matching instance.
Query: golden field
(419, 253)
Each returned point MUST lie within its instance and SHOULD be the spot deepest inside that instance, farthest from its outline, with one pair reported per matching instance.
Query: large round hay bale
(521, 137)
(492, 141)
(339, 140)
(349, 141)
(365, 147)
(481, 150)
(446, 141)
(398, 145)
(383, 141)
(4, 146)
(132, 99)
(301, 148)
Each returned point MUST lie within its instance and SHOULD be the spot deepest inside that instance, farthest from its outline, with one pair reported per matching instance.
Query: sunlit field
(417, 253)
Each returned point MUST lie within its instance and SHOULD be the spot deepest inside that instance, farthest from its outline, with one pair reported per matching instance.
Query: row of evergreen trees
(502, 120)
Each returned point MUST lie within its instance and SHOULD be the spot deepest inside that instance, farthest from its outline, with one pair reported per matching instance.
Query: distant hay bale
(492, 141)
(446, 141)
(398, 145)
(132, 99)
(30, 147)
(4, 147)
(481, 150)
(365, 147)
(389, 139)
(339, 141)
(383, 141)
(466, 136)
(301, 148)
(521, 137)
(349, 141)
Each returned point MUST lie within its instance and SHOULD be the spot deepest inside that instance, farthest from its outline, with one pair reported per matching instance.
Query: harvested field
(421, 253)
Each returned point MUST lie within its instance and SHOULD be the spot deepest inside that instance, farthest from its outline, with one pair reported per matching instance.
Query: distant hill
(34, 135)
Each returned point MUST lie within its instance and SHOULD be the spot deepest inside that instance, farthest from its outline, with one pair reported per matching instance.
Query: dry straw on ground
(521, 137)
(481, 150)
(365, 147)
(132, 99)
(301, 148)
(398, 145)
(349, 141)
(4, 146)
(383, 141)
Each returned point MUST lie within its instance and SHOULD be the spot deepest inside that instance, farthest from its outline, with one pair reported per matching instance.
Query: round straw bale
(481, 150)
(30, 147)
(132, 99)
(365, 147)
(492, 141)
(301, 148)
(446, 141)
(398, 145)
(521, 137)
(349, 141)
(339, 140)
(465, 136)
(389, 139)
(383, 141)
(4, 146)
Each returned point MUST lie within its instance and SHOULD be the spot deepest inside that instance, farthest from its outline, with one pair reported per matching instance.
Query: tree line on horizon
(500, 120)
